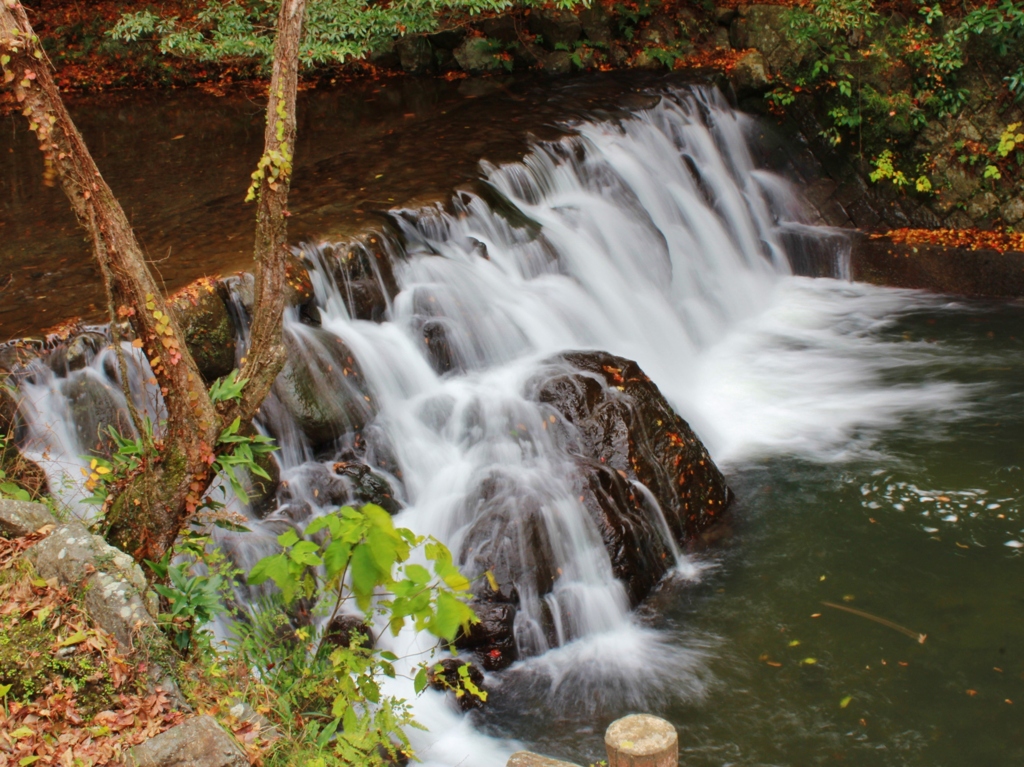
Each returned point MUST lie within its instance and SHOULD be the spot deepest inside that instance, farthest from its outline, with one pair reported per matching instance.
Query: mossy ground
(71, 694)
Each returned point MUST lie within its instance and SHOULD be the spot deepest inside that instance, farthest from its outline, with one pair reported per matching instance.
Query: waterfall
(654, 237)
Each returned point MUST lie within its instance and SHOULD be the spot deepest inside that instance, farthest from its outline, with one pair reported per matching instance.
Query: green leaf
(288, 538)
(418, 574)
(328, 732)
(450, 615)
(420, 682)
(4, 689)
(845, 701)
(336, 557)
(364, 574)
(21, 732)
(77, 638)
(305, 553)
(351, 720)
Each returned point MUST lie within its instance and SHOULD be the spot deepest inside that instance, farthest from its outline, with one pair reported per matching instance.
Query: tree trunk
(148, 515)
(271, 182)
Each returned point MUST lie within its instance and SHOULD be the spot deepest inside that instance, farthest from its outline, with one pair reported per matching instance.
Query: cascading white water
(654, 238)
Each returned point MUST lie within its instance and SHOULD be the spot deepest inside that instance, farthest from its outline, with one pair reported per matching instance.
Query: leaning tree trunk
(146, 518)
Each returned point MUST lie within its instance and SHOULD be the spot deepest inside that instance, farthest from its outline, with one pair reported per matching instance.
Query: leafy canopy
(335, 31)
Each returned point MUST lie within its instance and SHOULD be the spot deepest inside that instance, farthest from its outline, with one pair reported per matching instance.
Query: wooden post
(641, 740)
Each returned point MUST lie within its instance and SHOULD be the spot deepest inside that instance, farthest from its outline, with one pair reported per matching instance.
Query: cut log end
(642, 740)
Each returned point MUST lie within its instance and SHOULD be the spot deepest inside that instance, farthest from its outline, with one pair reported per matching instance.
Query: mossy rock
(209, 332)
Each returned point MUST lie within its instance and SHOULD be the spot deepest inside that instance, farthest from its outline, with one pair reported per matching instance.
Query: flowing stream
(831, 407)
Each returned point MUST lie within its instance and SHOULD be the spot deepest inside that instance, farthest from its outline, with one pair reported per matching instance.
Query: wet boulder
(83, 348)
(321, 385)
(631, 427)
(629, 525)
(493, 638)
(368, 486)
(614, 419)
(94, 409)
(437, 344)
(365, 278)
(343, 630)
(313, 483)
(447, 675)
(202, 313)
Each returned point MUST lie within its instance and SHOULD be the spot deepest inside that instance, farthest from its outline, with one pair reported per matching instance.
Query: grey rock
(71, 554)
(720, 38)
(556, 26)
(764, 27)
(414, 54)
(958, 220)
(476, 54)
(750, 74)
(596, 24)
(1013, 210)
(83, 348)
(982, 205)
(558, 63)
(723, 15)
(116, 606)
(196, 742)
(18, 518)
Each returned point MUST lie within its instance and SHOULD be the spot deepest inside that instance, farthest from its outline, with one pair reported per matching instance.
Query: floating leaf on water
(809, 661)
(845, 701)
(794, 643)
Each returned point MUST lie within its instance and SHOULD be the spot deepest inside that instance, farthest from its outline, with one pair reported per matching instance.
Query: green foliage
(360, 554)
(228, 388)
(882, 80)
(193, 598)
(127, 460)
(884, 170)
(10, 489)
(335, 31)
(241, 453)
(349, 555)
(1009, 140)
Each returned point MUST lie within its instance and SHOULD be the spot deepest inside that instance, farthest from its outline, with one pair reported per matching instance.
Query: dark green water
(912, 528)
